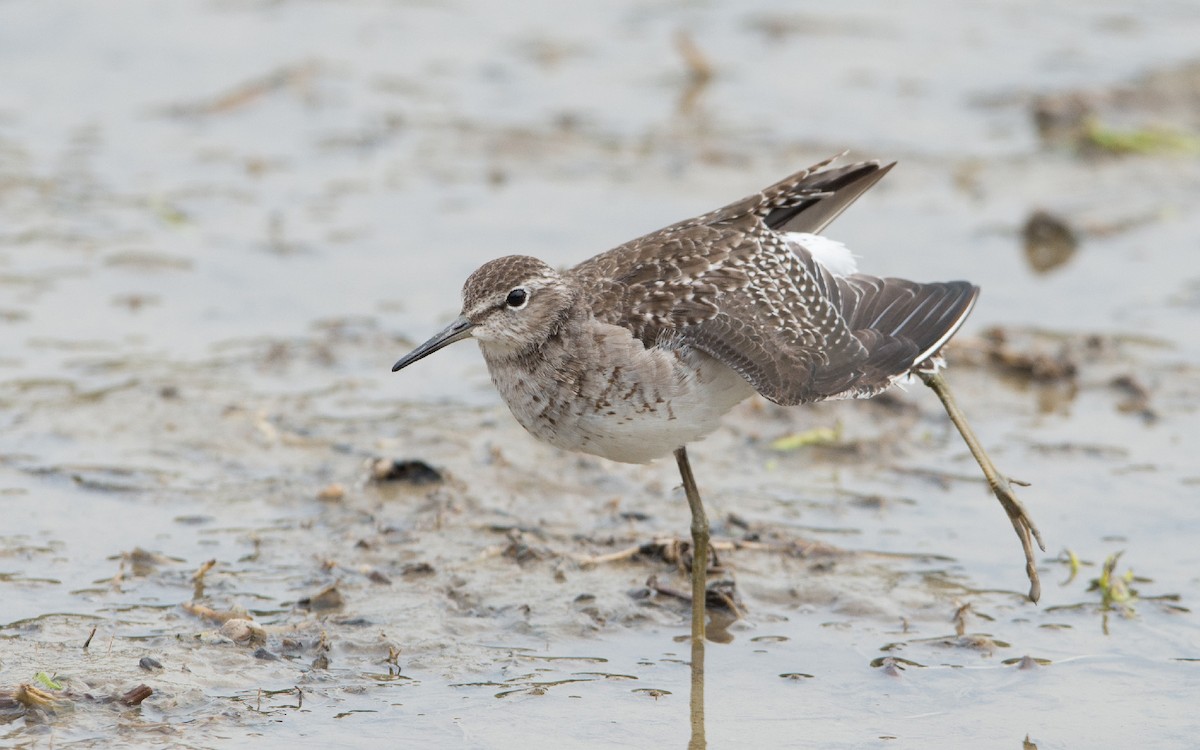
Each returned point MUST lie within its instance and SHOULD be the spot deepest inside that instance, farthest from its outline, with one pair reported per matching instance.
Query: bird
(638, 352)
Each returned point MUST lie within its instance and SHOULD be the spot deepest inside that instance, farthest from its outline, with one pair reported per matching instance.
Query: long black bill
(456, 331)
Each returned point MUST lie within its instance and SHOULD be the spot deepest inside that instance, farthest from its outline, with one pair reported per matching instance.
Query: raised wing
(731, 284)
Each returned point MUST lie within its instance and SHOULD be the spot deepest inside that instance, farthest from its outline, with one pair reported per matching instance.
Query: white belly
(641, 404)
(639, 434)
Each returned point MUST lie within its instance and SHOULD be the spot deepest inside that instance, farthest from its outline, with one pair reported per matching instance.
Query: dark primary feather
(839, 188)
(730, 284)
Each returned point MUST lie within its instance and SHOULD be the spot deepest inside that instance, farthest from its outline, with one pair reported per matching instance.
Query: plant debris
(1049, 241)
(412, 471)
(328, 598)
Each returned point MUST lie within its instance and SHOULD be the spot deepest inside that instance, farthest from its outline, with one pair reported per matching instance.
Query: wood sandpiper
(639, 351)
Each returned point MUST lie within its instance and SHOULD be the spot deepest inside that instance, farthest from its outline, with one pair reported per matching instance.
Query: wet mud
(223, 520)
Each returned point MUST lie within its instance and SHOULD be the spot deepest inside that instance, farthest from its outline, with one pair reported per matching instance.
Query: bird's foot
(1027, 532)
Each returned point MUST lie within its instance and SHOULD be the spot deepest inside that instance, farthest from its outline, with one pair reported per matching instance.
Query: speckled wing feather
(670, 278)
(731, 284)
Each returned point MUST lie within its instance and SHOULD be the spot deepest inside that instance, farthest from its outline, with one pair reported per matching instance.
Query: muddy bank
(212, 489)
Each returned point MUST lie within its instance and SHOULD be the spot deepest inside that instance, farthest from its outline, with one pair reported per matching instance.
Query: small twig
(198, 578)
(245, 93)
(699, 71)
(135, 696)
(204, 568)
(618, 556)
(727, 600)
(91, 635)
(648, 548)
(960, 619)
(653, 584)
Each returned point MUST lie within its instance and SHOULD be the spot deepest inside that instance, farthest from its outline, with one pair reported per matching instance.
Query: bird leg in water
(699, 544)
(1001, 486)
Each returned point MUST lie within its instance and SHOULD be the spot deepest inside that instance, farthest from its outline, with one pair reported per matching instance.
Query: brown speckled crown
(503, 274)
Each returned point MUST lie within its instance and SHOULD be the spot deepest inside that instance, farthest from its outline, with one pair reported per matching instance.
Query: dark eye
(517, 298)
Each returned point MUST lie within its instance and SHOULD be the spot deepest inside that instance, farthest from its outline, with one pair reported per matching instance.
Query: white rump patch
(833, 255)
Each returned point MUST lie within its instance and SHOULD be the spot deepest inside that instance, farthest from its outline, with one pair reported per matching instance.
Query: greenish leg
(699, 544)
(1022, 523)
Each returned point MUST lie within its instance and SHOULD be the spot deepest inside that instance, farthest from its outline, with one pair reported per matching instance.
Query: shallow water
(221, 222)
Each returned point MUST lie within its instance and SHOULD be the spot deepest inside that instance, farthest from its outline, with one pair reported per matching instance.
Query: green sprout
(45, 680)
(1141, 141)
(1115, 590)
(815, 436)
(1073, 565)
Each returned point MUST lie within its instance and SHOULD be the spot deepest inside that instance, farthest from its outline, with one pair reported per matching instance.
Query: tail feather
(902, 324)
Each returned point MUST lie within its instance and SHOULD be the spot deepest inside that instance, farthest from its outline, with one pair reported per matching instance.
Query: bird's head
(510, 305)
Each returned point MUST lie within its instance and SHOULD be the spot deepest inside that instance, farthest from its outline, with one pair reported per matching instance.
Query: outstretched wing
(733, 285)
